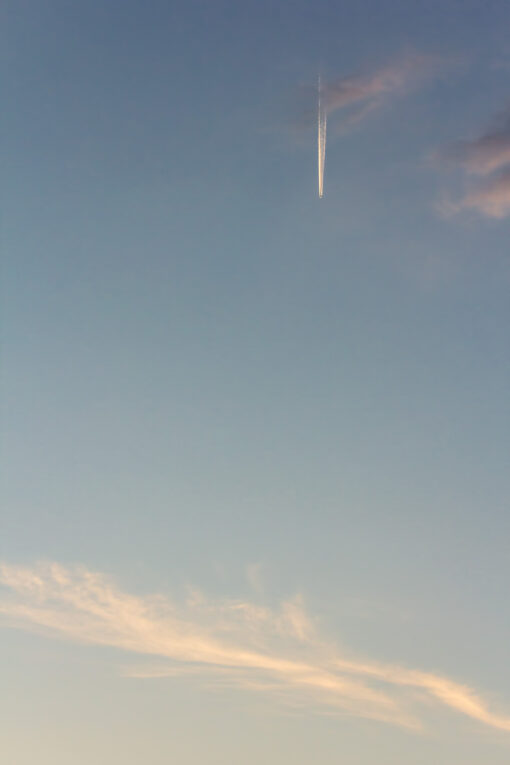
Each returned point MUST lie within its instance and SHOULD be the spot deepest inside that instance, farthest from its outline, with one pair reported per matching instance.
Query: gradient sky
(256, 444)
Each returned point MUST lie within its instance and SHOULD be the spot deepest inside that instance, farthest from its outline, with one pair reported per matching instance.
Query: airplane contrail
(321, 139)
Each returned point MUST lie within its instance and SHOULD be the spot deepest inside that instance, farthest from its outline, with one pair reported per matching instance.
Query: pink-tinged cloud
(491, 199)
(489, 156)
(358, 95)
(485, 154)
(277, 652)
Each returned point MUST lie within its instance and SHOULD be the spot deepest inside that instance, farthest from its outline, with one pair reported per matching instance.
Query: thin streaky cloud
(485, 154)
(491, 199)
(356, 96)
(488, 155)
(450, 693)
(277, 652)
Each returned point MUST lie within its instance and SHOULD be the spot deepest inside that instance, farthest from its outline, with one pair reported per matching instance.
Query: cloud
(357, 96)
(485, 154)
(452, 694)
(275, 651)
(491, 199)
(488, 155)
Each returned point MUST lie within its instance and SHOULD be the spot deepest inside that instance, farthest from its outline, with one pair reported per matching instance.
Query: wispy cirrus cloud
(354, 97)
(487, 155)
(274, 651)
(491, 199)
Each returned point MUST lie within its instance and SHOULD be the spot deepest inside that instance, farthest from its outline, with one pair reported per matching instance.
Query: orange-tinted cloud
(274, 651)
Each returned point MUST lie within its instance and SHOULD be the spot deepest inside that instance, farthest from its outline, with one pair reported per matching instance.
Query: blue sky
(255, 443)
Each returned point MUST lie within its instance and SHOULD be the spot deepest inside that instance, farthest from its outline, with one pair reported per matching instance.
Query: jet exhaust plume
(321, 138)
(354, 97)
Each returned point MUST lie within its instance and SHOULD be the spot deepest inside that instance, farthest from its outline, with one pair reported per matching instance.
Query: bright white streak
(321, 140)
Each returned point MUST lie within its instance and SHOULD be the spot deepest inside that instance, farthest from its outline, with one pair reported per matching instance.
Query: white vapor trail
(321, 140)
(352, 98)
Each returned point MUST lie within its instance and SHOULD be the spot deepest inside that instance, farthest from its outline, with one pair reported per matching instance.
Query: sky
(255, 443)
